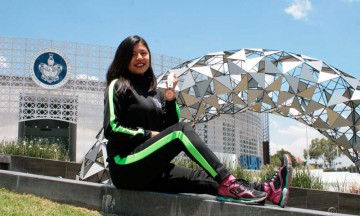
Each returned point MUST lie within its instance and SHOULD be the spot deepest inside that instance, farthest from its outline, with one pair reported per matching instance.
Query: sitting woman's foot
(235, 191)
(277, 188)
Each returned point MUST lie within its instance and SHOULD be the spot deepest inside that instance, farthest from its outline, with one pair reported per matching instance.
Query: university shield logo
(50, 68)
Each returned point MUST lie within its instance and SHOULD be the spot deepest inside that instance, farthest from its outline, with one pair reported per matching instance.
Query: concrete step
(109, 200)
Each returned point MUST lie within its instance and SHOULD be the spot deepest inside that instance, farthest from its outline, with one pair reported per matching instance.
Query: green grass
(12, 203)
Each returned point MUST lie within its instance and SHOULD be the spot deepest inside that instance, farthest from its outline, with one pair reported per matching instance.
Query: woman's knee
(182, 125)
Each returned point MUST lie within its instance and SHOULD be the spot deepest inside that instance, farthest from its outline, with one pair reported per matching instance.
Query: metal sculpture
(279, 82)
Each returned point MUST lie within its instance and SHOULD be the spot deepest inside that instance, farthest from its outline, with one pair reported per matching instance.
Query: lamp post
(308, 154)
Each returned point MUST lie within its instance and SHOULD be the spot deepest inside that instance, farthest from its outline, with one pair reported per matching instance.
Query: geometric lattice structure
(284, 83)
(94, 165)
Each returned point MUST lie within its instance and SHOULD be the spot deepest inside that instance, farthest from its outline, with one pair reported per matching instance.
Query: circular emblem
(50, 68)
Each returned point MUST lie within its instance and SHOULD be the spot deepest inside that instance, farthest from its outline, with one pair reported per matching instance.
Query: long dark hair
(119, 67)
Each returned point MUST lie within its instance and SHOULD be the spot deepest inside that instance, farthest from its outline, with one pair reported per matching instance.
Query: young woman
(144, 134)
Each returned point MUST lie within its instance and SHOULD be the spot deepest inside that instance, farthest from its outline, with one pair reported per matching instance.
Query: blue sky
(324, 29)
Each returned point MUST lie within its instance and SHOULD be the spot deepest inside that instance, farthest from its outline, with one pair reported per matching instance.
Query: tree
(324, 149)
(278, 157)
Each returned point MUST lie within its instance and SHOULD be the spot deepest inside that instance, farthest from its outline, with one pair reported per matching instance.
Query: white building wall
(239, 134)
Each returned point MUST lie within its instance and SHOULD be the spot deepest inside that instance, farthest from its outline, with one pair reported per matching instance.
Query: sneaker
(235, 191)
(278, 187)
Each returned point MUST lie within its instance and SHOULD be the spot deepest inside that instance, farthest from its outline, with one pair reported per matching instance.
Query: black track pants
(148, 167)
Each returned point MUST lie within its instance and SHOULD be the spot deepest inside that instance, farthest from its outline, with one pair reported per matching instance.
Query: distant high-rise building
(240, 134)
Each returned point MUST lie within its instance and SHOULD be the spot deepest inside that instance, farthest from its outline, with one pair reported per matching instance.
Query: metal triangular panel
(283, 97)
(315, 64)
(236, 78)
(95, 168)
(356, 96)
(220, 88)
(178, 71)
(255, 50)
(267, 99)
(269, 79)
(234, 69)
(256, 107)
(352, 81)
(296, 105)
(253, 95)
(293, 82)
(188, 81)
(250, 63)
(308, 58)
(336, 99)
(288, 66)
(193, 62)
(91, 155)
(159, 78)
(276, 85)
(353, 117)
(224, 80)
(341, 122)
(206, 70)
(189, 99)
(307, 75)
(271, 52)
(356, 147)
(320, 124)
(200, 112)
(185, 113)
(295, 56)
(213, 101)
(243, 84)
(336, 120)
(326, 76)
(239, 55)
(271, 68)
(259, 78)
(308, 93)
(203, 87)
(313, 106)
(237, 100)
(284, 110)
(343, 141)
(104, 151)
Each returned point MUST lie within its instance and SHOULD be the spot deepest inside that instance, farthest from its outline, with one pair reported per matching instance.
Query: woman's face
(140, 60)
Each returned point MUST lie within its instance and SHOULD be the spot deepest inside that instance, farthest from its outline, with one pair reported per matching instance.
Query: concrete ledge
(109, 200)
(41, 166)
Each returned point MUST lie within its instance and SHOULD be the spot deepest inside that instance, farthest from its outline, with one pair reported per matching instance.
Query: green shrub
(38, 149)
(303, 179)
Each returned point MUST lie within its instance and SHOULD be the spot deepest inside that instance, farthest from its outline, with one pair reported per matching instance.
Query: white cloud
(294, 138)
(299, 9)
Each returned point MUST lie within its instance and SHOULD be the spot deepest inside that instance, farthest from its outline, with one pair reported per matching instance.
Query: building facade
(238, 136)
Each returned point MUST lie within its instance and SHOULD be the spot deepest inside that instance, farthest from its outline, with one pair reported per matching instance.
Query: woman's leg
(178, 179)
(147, 163)
(144, 167)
